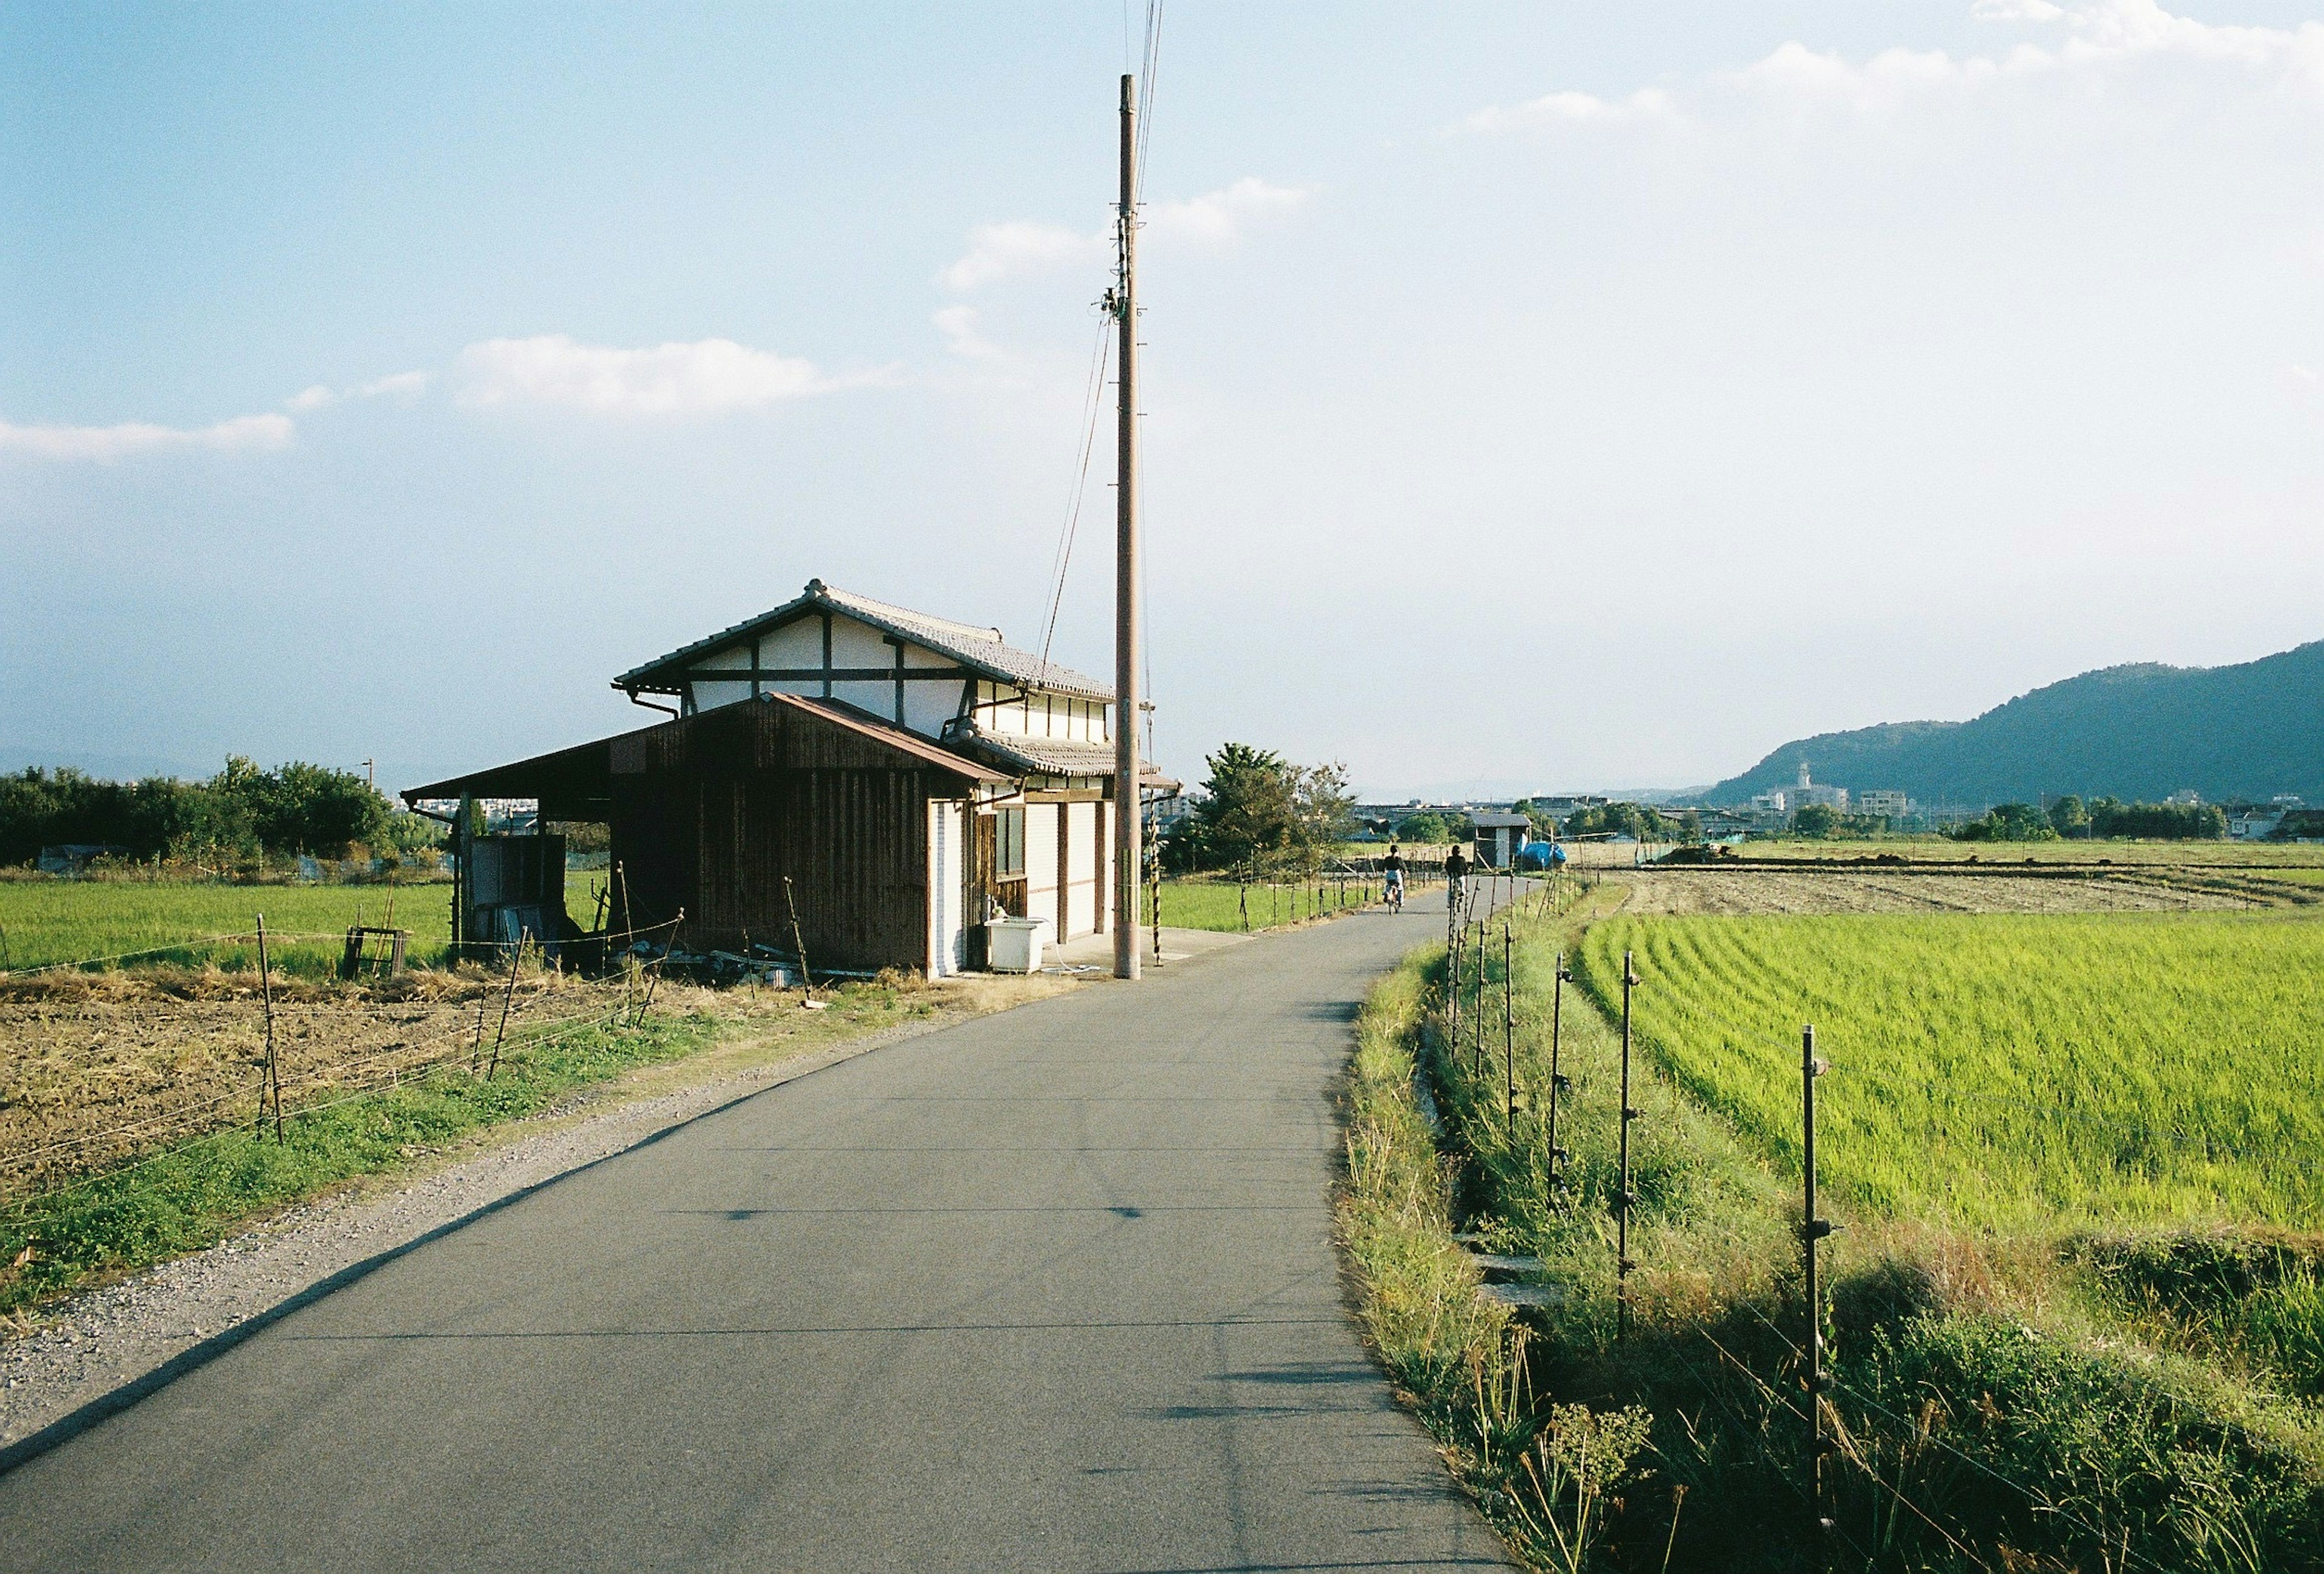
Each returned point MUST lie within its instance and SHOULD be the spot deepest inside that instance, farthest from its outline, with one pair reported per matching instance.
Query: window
(1008, 845)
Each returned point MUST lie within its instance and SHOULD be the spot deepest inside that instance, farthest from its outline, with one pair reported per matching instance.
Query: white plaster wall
(929, 703)
(710, 695)
(879, 699)
(794, 645)
(859, 644)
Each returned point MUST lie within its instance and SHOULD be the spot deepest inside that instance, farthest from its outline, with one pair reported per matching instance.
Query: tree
(1250, 804)
(1259, 812)
(2068, 818)
(2008, 822)
(1815, 820)
(1429, 828)
(1323, 813)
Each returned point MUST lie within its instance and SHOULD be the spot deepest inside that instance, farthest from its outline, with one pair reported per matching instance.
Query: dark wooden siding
(711, 818)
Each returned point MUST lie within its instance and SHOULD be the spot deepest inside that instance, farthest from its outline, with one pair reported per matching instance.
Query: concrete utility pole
(1128, 808)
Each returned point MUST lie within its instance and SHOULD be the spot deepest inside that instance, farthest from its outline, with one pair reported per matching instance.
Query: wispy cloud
(962, 329)
(2089, 39)
(321, 396)
(1571, 109)
(106, 443)
(996, 251)
(1000, 251)
(705, 377)
(1220, 218)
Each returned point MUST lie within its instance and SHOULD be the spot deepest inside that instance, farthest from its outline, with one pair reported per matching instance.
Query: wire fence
(350, 1047)
(1834, 1416)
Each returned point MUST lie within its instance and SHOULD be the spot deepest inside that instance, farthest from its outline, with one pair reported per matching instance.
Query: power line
(1093, 401)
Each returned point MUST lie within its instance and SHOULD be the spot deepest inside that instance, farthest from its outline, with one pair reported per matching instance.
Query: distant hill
(2139, 732)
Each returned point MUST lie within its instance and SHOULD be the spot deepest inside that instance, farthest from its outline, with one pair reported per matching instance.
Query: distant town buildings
(1809, 792)
(1884, 801)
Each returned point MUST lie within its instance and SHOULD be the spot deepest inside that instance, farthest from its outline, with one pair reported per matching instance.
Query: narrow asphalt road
(1052, 1290)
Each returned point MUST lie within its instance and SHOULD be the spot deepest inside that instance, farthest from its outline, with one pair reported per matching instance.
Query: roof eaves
(965, 643)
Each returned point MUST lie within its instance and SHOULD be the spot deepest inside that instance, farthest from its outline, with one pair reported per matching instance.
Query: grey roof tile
(982, 650)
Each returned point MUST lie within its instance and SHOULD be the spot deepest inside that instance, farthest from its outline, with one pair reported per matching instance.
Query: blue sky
(1538, 398)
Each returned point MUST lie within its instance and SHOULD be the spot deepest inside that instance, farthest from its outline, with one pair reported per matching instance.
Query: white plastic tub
(1013, 945)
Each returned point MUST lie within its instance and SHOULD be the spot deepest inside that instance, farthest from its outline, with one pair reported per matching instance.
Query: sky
(1538, 398)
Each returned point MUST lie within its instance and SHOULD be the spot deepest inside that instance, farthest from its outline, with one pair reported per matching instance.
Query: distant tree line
(1262, 815)
(239, 814)
(2101, 818)
(1640, 821)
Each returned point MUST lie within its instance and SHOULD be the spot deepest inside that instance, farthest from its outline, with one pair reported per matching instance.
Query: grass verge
(2024, 1401)
(188, 1194)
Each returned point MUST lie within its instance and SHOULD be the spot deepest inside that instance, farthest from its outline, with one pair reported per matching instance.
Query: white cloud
(1220, 218)
(995, 251)
(1571, 109)
(106, 443)
(2102, 36)
(964, 333)
(322, 397)
(705, 377)
(999, 251)
(2099, 36)
(2015, 11)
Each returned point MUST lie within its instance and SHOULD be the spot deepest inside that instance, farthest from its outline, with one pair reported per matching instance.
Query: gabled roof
(576, 782)
(981, 649)
(1029, 756)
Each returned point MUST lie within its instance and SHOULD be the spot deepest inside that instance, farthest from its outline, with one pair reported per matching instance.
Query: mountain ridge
(2139, 731)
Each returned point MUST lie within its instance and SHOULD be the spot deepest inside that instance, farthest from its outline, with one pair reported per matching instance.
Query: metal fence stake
(1812, 1230)
(1558, 1081)
(1622, 1198)
(1509, 1029)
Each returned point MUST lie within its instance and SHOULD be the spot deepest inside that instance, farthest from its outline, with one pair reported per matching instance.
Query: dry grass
(104, 1066)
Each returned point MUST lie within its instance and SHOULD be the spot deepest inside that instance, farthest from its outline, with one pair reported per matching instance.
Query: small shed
(714, 814)
(1500, 837)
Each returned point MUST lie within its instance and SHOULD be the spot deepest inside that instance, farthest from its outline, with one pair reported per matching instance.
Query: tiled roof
(1046, 756)
(981, 649)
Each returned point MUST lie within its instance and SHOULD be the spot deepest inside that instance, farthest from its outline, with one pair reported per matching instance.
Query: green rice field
(1997, 1070)
(43, 922)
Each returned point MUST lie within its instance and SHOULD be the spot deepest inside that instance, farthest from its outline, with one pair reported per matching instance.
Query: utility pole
(1128, 817)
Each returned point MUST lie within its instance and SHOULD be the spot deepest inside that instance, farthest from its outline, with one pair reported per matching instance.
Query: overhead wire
(1062, 561)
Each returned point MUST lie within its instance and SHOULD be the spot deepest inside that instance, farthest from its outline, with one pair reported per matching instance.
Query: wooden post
(273, 1090)
(677, 928)
(798, 941)
(516, 960)
(1127, 863)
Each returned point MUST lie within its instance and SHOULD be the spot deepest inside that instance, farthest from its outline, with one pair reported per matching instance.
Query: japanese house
(909, 775)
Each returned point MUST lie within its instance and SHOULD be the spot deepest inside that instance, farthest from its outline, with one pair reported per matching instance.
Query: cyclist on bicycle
(1393, 865)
